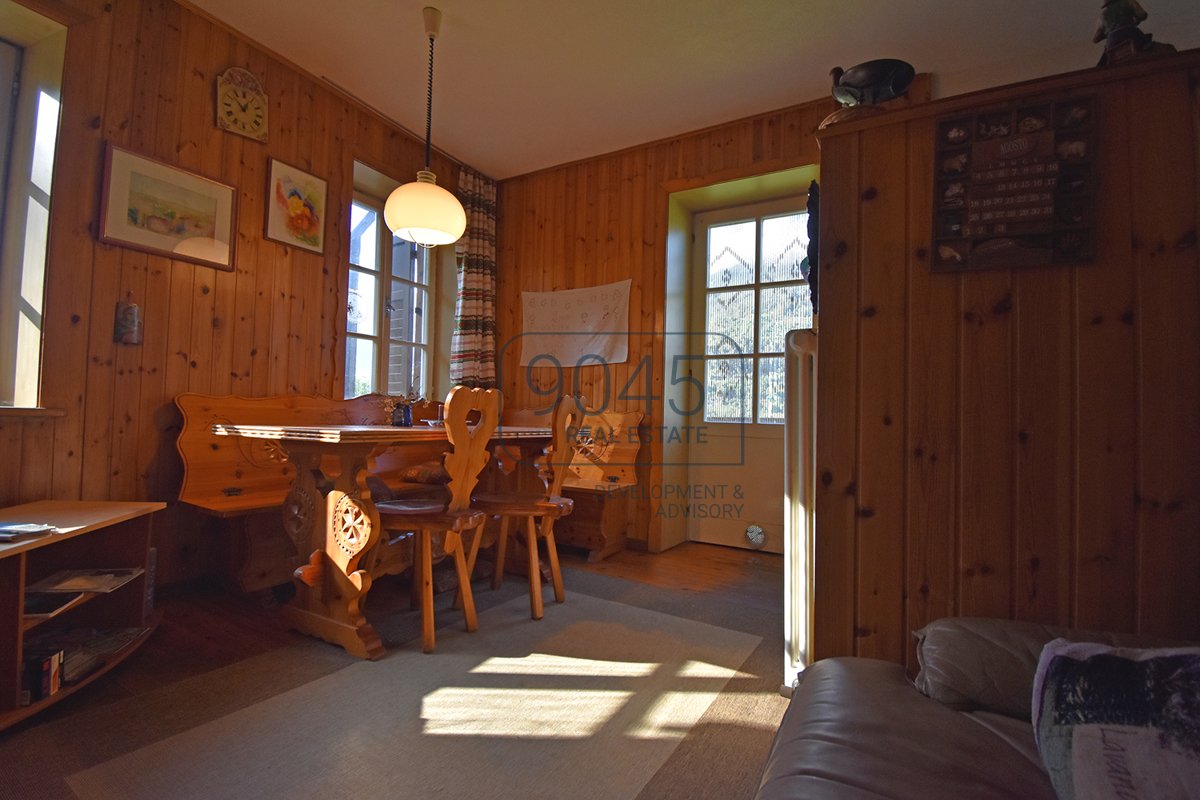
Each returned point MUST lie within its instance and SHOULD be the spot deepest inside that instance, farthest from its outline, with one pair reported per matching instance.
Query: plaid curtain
(473, 345)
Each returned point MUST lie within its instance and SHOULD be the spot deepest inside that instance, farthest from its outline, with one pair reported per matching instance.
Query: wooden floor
(748, 575)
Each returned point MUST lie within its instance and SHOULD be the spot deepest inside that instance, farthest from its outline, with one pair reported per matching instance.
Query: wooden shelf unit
(93, 534)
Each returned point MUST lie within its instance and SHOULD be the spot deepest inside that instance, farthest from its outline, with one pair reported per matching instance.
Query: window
(31, 55)
(753, 295)
(387, 328)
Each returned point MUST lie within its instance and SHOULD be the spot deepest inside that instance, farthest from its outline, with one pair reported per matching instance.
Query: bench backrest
(231, 475)
(606, 451)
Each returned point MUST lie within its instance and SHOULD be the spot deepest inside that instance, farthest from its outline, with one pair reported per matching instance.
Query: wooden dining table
(346, 546)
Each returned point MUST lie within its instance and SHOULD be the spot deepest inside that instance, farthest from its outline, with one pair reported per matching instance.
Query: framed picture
(295, 207)
(152, 206)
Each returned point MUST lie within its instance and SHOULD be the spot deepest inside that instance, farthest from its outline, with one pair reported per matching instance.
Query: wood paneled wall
(604, 220)
(141, 74)
(1013, 443)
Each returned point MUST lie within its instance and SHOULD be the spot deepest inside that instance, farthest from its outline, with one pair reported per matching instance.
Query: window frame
(701, 224)
(30, 148)
(387, 281)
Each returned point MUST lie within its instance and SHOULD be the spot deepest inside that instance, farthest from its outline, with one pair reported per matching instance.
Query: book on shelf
(78, 664)
(86, 580)
(43, 674)
(44, 605)
(84, 650)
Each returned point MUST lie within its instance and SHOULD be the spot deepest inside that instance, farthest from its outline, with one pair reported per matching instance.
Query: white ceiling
(520, 85)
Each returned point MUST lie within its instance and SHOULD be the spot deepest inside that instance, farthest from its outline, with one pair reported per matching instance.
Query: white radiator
(799, 428)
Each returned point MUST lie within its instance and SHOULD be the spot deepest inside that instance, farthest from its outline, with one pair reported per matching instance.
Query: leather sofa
(859, 728)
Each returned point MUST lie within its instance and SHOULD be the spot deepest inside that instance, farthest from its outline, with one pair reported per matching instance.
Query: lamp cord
(429, 104)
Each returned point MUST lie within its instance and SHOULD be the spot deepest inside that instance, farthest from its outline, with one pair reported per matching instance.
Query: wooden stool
(463, 463)
(568, 413)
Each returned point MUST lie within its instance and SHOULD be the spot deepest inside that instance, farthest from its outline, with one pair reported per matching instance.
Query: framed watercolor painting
(295, 207)
(152, 206)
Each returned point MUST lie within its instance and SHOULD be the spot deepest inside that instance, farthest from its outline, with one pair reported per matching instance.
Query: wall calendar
(1015, 185)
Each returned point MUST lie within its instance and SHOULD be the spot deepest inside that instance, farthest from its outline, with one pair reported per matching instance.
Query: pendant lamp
(422, 211)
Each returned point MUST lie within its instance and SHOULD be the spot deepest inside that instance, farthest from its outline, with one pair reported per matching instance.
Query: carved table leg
(331, 608)
(301, 504)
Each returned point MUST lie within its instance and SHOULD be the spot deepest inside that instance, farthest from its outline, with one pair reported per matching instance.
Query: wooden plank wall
(141, 74)
(1012, 443)
(603, 220)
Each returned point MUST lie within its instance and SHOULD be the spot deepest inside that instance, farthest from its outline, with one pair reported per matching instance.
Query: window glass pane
(407, 313)
(360, 366)
(784, 246)
(770, 390)
(727, 387)
(406, 370)
(729, 323)
(44, 138)
(409, 261)
(782, 309)
(731, 254)
(364, 237)
(361, 304)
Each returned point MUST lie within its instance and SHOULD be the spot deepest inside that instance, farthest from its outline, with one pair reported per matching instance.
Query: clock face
(242, 105)
(243, 110)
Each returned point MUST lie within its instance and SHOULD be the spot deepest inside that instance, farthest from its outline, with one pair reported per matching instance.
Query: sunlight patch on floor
(572, 713)
(733, 711)
(543, 664)
(671, 715)
(699, 669)
(519, 712)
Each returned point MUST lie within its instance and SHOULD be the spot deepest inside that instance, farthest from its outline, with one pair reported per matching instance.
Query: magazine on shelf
(86, 580)
(26, 527)
(44, 605)
(20, 531)
(84, 649)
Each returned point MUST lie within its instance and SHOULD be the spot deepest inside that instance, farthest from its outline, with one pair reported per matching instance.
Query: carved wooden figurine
(1118, 27)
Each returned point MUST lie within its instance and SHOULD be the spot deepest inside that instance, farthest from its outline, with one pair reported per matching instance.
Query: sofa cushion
(976, 663)
(1016, 732)
(1114, 722)
(857, 728)
(972, 663)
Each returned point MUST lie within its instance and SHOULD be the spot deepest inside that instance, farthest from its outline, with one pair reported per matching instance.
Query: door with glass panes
(747, 293)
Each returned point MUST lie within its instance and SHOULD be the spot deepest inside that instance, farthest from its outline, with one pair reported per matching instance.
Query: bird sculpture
(871, 82)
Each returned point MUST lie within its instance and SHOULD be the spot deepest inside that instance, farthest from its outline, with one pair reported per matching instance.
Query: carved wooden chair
(568, 415)
(427, 518)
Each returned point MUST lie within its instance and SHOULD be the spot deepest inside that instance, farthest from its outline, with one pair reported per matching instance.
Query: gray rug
(590, 702)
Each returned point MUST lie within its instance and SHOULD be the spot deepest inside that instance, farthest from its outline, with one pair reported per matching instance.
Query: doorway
(747, 291)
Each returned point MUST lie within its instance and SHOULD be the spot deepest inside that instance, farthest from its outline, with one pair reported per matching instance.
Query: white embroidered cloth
(576, 326)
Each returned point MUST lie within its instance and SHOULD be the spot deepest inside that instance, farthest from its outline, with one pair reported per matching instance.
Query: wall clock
(242, 104)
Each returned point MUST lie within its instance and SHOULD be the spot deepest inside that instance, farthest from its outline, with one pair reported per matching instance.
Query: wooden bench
(601, 475)
(243, 483)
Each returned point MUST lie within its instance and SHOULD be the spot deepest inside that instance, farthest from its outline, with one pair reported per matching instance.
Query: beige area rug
(587, 703)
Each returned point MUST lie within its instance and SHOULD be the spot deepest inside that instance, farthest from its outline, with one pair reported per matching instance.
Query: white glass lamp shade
(425, 213)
